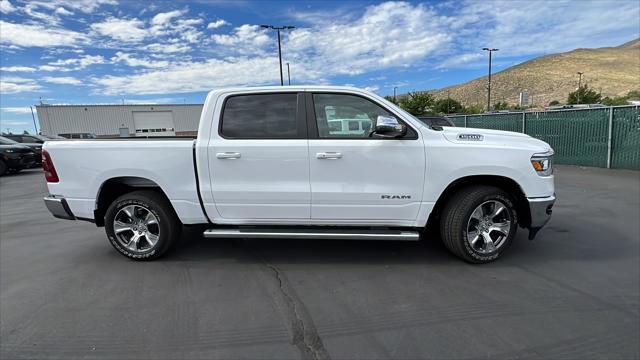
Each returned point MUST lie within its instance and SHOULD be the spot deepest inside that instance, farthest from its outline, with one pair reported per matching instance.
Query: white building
(120, 120)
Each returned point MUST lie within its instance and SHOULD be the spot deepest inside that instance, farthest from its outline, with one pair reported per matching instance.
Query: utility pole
(289, 74)
(278, 28)
(579, 84)
(489, 84)
(448, 101)
(33, 117)
(394, 94)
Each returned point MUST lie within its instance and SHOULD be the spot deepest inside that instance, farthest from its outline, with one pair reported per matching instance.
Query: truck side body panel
(84, 166)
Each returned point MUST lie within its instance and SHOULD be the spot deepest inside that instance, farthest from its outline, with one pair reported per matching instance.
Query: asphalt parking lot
(572, 293)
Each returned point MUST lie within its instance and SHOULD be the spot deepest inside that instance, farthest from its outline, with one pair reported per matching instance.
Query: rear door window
(261, 116)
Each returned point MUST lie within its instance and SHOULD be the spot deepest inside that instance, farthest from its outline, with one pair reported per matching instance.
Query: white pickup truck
(306, 162)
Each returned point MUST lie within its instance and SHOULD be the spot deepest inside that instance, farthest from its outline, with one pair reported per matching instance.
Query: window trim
(300, 116)
(312, 122)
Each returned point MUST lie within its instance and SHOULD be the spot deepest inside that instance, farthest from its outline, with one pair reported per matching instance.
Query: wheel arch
(115, 187)
(504, 183)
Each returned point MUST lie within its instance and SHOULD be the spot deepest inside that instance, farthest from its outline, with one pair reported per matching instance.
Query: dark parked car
(33, 141)
(432, 121)
(79, 135)
(14, 156)
(27, 138)
(54, 137)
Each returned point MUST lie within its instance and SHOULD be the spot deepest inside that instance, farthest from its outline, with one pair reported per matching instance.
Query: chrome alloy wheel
(136, 228)
(488, 227)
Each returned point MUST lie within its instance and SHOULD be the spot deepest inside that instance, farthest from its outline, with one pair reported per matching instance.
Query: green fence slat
(579, 137)
(625, 140)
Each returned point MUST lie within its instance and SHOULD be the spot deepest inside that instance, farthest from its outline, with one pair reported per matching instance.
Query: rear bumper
(540, 210)
(58, 207)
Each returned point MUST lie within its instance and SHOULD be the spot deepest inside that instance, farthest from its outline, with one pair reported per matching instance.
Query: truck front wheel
(479, 223)
(142, 225)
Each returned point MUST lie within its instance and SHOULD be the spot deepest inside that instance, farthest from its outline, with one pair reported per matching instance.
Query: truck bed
(85, 165)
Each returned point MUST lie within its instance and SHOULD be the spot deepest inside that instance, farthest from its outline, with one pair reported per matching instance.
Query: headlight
(543, 163)
(9, 150)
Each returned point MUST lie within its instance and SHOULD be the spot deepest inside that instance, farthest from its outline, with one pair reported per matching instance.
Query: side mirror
(388, 127)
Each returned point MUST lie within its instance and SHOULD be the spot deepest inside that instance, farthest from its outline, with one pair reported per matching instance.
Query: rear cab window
(261, 116)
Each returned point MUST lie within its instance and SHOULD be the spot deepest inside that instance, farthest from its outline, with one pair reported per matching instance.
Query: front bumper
(540, 210)
(58, 207)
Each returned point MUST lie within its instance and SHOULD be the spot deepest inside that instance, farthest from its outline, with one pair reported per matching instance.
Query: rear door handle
(329, 155)
(228, 155)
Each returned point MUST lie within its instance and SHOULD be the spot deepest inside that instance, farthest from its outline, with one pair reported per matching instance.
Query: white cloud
(6, 7)
(165, 18)
(391, 34)
(168, 48)
(125, 30)
(38, 36)
(216, 24)
(245, 39)
(63, 11)
(18, 69)
(524, 28)
(5, 123)
(201, 76)
(80, 62)
(17, 110)
(63, 80)
(53, 68)
(131, 61)
(11, 85)
(457, 61)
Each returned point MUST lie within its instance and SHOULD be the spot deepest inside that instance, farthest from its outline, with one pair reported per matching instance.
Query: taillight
(49, 170)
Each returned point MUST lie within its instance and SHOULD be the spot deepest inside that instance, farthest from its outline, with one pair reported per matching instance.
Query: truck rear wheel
(479, 223)
(142, 225)
(3, 168)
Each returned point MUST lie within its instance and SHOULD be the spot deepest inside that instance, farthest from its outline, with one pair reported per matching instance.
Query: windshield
(5, 141)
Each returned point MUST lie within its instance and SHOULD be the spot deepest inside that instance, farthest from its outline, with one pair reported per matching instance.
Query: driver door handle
(329, 155)
(228, 155)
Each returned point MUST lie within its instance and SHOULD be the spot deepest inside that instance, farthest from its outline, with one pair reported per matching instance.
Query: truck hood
(473, 136)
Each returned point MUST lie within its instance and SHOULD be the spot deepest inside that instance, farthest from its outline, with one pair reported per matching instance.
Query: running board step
(313, 234)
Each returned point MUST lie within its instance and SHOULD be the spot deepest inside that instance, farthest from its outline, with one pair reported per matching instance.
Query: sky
(127, 51)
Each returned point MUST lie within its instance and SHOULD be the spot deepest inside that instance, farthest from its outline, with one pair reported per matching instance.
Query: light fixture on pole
(489, 84)
(278, 28)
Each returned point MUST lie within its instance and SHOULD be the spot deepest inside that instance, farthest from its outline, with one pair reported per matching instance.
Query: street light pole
(278, 28)
(489, 85)
(579, 84)
(289, 74)
(34, 120)
(394, 94)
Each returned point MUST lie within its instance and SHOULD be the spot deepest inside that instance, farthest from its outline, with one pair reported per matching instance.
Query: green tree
(554, 102)
(447, 106)
(474, 109)
(501, 105)
(584, 95)
(391, 99)
(615, 101)
(418, 103)
(633, 95)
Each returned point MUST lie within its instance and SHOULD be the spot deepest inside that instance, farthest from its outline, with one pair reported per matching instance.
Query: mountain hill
(613, 71)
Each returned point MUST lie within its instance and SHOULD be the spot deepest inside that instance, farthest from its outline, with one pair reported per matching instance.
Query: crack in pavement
(304, 333)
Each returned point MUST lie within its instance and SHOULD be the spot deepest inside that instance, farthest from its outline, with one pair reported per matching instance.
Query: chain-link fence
(603, 137)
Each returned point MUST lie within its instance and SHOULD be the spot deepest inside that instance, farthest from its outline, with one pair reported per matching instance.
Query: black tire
(3, 168)
(168, 224)
(455, 222)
